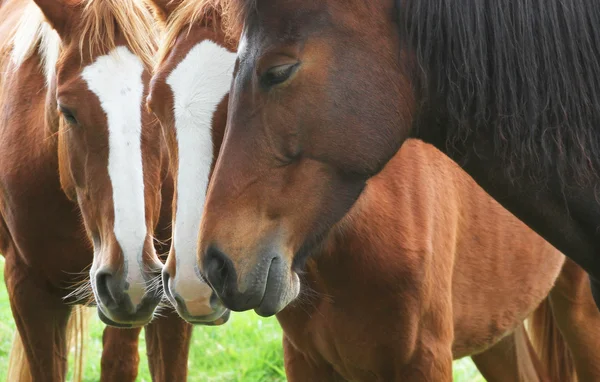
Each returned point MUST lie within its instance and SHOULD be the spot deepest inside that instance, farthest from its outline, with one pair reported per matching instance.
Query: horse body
(392, 295)
(540, 205)
(42, 235)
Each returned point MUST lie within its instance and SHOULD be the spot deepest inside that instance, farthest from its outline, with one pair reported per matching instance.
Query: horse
(83, 172)
(185, 106)
(425, 267)
(326, 92)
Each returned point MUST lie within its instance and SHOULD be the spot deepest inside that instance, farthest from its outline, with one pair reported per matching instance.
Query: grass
(247, 348)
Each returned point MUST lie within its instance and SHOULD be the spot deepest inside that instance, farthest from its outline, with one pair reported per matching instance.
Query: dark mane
(524, 73)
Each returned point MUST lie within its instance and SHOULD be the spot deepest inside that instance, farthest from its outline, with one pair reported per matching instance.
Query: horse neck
(25, 90)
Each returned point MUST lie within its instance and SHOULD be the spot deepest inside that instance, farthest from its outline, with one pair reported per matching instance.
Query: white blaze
(199, 83)
(116, 79)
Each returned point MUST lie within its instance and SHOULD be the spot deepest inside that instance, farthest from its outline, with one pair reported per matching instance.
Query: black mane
(525, 73)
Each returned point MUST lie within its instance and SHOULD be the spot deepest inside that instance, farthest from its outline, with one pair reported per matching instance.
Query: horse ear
(164, 8)
(58, 13)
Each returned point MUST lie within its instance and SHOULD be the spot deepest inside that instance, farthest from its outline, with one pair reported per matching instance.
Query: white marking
(199, 83)
(116, 79)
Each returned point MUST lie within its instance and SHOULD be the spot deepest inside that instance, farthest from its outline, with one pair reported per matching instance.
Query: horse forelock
(204, 12)
(134, 20)
(524, 73)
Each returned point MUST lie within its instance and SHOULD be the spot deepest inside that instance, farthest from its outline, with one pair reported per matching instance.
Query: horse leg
(299, 369)
(428, 355)
(430, 362)
(511, 359)
(595, 287)
(578, 320)
(120, 358)
(41, 318)
(167, 344)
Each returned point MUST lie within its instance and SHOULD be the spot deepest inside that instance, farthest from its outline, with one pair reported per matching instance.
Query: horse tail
(18, 366)
(550, 345)
(76, 338)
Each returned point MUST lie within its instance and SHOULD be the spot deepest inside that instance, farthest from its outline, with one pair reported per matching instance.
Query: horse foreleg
(511, 359)
(430, 362)
(167, 344)
(120, 358)
(299, 369)
(578, 320)
(41, 319)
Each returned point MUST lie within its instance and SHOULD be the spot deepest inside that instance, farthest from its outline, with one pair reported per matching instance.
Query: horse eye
(68, 115)
(278, 74)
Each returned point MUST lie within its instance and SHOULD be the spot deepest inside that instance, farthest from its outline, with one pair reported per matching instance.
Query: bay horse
(325, 93)
(83, 170)
(424, 268)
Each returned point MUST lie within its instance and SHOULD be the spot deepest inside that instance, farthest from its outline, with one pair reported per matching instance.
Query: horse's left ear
(59, 13)
(164, 8)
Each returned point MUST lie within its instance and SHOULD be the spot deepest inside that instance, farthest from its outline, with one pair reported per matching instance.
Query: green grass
(247, 348)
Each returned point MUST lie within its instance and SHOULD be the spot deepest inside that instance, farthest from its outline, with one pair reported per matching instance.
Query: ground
(247, 349)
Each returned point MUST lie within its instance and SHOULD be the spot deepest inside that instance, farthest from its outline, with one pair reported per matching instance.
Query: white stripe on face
(199, 83)
(116, 79)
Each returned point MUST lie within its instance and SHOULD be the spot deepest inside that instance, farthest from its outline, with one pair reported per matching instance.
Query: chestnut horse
(409, 253)
(81, 159)
(325, 93)
(189, 83)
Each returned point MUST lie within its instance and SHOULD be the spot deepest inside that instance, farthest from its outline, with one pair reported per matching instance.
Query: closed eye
(68, 115)
(278, 74)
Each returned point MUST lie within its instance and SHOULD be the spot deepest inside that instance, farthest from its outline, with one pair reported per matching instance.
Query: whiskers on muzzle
(82, 291)
(82, 294)
(154, 286)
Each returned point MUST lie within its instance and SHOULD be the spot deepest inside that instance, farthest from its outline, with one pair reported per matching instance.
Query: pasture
(247, 349)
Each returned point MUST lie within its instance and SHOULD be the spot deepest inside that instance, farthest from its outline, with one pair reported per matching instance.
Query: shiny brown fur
(42, 235)
(327, 91)
(424, 269)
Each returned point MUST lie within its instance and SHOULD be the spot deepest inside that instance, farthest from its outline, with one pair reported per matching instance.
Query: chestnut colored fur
(42, 236)
(424, 269)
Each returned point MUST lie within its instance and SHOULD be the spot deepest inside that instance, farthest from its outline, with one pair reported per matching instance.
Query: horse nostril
(104, 288)
(166, 277)
(219, 269)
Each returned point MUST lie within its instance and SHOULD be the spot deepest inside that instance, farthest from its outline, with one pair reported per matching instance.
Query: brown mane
(191, 12)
